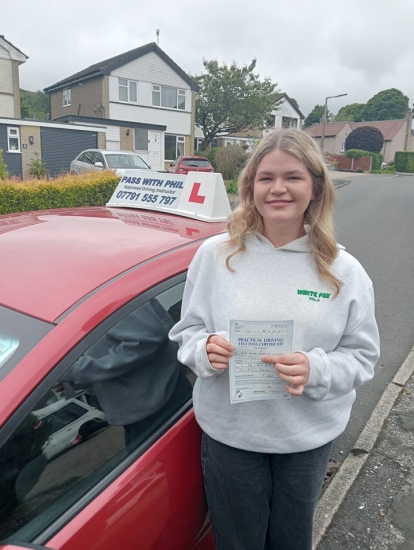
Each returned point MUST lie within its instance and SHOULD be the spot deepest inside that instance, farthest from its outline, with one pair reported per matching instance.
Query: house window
(174, 147)
(141, 139)
(171, 98)
(13, 140)
(271, 121)
(66, 97)
(127, 90)
(288, 122)
(343, 147)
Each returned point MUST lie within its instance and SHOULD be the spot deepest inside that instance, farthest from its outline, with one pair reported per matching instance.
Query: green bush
(357, 153)
(232, 187)
(404, 161)
(377, 158)
(37, 168)
(3, 167)
(93, 189)
(210, 154)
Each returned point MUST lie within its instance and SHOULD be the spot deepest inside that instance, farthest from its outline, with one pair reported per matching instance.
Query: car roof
(51, 259)
(192, 157)
(110, 151)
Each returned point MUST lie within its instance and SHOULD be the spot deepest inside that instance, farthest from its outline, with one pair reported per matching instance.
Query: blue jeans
(261, 501)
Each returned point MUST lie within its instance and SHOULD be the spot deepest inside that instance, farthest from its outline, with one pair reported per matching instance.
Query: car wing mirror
(98, 164)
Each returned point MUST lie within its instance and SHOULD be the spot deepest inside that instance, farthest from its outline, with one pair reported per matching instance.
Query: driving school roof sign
(198, 195)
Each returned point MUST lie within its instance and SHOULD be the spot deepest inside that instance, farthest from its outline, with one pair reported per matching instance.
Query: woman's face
(283, 189)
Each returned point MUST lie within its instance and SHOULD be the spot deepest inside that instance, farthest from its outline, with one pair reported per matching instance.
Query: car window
(18, 335)
(200, 163)
(125, 161)
(86, 157)
(123, 390)
(98, 157)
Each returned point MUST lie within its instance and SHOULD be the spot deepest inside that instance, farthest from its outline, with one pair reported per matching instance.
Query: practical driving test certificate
(250, 378)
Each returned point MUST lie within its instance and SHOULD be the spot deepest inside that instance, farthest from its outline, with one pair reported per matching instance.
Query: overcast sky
(312, 49)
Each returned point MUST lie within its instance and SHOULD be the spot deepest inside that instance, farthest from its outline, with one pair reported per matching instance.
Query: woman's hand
(219, 352)
(293, 368)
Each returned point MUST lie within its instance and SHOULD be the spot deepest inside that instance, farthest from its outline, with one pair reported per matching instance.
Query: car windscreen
(19, 334)
(200, 163)
(125, 161)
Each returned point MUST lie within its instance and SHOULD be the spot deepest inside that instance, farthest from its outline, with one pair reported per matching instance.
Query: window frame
(67, 97)
(178, 139)
(127, 87)
(11, 136)
(180, 93)
(56, 374)
(136, 129)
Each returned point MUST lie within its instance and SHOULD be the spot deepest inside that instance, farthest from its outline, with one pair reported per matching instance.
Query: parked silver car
(100, 159)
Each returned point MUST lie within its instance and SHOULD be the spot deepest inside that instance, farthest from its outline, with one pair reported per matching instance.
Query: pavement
(369, 502)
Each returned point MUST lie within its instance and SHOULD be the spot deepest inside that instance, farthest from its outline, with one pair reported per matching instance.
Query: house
(284, 115)
(335, 136)
(397, 135)
(145, 100)
(56, 144)
(10, 59)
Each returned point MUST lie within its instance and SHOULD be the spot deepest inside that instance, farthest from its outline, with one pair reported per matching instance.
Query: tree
(3, 167)
(387, 105)
(295, 103)
(232, 99)
(34, 104)
(355, 112)
(367, 138)
(314, 117)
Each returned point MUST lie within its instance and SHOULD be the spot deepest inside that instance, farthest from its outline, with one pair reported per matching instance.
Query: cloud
(312, 49)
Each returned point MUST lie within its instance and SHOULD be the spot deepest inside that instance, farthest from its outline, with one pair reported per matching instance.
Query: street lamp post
(325, 111)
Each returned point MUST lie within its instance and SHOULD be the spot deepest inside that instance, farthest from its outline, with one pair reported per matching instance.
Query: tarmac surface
(369, 501)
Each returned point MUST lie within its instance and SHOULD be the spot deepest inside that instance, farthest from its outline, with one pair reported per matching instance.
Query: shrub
(37, 167)
(404, 161)
(367, 138)
(93, 189)
(3, 167)
(377, 158)
(232, 187)
(210, 154)
(230, 161)
(357, 153)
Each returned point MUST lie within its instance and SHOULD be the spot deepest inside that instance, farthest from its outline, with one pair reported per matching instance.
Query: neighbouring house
(397, 135)
(285, 115)
(56, 144)
(145, 100)
(10, 59)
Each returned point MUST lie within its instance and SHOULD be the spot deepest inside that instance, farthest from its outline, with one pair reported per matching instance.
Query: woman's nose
(278, 185)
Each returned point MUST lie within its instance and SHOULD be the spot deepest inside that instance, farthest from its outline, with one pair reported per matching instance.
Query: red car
(183, 165)
(82, 285)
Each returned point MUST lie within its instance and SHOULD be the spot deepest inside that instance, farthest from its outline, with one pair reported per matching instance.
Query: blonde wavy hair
(246, 219)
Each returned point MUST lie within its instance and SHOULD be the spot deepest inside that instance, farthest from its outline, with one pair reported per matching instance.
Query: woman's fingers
(292, 368)
(219, 351)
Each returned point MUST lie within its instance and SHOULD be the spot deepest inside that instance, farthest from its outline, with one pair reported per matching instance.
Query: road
(375, 222)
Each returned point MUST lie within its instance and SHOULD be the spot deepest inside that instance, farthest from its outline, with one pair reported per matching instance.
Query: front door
(155, 156)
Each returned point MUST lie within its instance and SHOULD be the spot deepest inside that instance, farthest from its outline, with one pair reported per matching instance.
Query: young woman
(264, 461)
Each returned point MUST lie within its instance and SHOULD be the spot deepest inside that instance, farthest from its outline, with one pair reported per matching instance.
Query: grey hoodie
(338, 335)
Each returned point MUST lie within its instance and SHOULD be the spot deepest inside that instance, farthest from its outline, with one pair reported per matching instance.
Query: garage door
(61, 146)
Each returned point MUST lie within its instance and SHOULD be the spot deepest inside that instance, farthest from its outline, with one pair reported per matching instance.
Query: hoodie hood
(298, 245)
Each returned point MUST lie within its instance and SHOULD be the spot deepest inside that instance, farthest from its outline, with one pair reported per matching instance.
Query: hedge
(377, 158)
(93, 189)
(404, 161)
